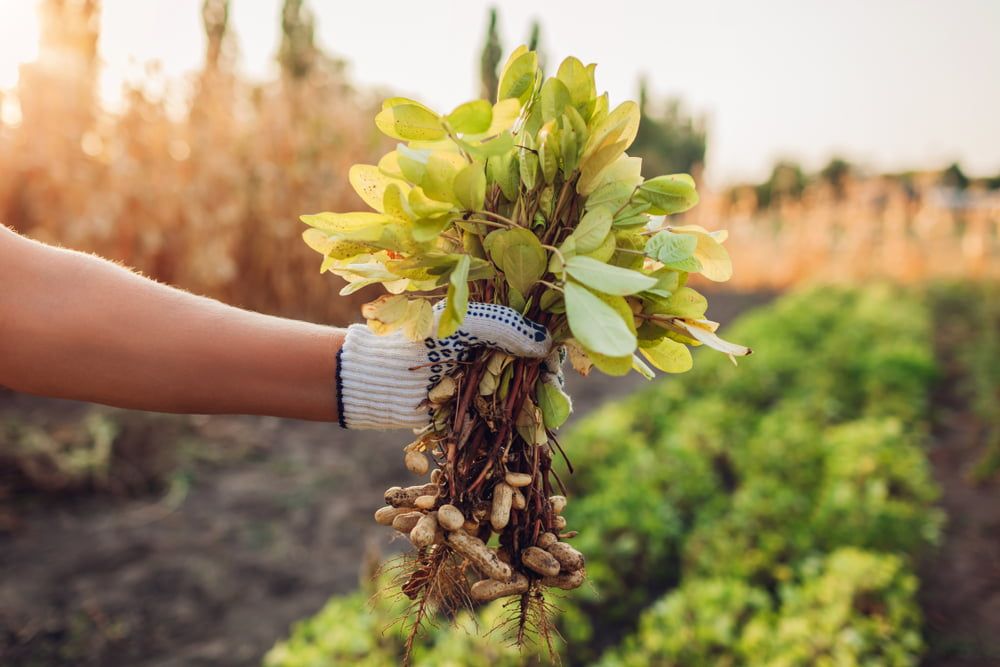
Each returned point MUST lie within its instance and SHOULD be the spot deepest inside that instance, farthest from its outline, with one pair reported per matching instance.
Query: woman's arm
(76, 326)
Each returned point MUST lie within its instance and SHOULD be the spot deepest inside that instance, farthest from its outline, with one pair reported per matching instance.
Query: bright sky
(890, 83)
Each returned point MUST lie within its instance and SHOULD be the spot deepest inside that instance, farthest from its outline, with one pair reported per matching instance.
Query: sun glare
(18, 39)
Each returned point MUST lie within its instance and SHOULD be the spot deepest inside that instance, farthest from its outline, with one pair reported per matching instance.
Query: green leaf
(669, 356)
(594, 227)
(412, 162)
(669, 194)
(425, 207)
(470, 186)
(606, 250)
(668, 247)
(472, 117)
(554, 97)
(503, 143)
(428, 229)
(595, 324)
(505, 173)
(457, 302)
(579, 82)
(554, 404)
(606, 278)
(505, 114)
(685, 302)
(517, 78)
(410, 122)
(442, 167)
(519, 254)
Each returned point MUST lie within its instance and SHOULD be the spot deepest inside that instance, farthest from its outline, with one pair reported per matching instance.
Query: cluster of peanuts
(420, 513)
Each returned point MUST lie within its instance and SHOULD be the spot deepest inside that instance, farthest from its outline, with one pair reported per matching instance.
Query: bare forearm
(75, 326)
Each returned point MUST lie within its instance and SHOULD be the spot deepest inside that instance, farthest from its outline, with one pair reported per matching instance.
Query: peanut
(425, 502)
(416, 463)
(540, 561)
(545, 540)
(491, 589)
(569, 558)
(450, 517)
(385, 515)
(422, 534)
(404, 497)
(476, 551)
(518, 501)
(404, 523)
(517, 479)
(565, 580)
(503, 495)
(558, 503)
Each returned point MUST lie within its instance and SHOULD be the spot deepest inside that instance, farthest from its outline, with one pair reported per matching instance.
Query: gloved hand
(382, 380)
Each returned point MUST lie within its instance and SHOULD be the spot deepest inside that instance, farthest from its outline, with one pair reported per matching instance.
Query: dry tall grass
(879, 228)
(208, 201)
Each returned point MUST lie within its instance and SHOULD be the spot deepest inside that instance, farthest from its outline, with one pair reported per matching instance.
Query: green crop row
(766, 514)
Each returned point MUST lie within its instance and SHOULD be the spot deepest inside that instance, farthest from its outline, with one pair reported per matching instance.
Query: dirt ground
(258, 521)
(960, 584)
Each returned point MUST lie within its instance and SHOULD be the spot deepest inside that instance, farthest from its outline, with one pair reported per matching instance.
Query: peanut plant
(533, 203)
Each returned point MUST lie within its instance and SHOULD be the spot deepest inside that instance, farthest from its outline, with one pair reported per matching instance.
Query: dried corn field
(206, 199)
(877, 228)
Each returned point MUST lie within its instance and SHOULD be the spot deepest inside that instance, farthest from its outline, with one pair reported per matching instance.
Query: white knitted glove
(382, 380)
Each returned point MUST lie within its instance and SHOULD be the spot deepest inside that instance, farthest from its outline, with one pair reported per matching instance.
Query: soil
(960, 584)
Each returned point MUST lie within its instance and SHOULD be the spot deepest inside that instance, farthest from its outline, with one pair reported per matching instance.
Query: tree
(835, 173)
(954, 177)
(670, 140)
(787, 181)
(298, 53)
(489, 62)
(215, 18)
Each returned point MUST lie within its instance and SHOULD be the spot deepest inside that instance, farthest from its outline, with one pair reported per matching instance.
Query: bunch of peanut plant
(533, 203)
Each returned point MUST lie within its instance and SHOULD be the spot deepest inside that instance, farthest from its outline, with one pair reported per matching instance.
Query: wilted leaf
(708, 338)
(419, 320)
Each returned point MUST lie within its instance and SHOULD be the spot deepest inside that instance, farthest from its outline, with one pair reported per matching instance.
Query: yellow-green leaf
(410, 122)
(668, 355)
(472, 117)
(470, 186)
